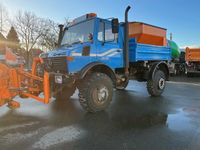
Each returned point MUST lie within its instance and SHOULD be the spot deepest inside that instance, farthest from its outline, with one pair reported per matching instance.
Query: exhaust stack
(61, 26)
(126, 40)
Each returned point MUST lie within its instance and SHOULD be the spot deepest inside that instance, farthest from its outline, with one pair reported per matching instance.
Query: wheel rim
(101, 94)
(175, 71)
(161, 83)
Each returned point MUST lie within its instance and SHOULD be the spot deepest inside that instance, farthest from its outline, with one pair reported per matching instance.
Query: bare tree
(67, 22)
(4, 19)
(49, 38)
(30, 29)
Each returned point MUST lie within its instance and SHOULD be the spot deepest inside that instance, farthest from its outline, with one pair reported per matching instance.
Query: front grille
(55, 64)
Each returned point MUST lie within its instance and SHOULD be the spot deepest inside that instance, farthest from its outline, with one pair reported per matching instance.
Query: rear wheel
(95, 92)
(156, 85)
(190, 74)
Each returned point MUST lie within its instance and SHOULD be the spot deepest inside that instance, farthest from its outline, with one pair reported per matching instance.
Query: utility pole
(171, 36)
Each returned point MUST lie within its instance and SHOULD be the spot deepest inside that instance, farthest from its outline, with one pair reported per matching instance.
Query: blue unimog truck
(98, 55)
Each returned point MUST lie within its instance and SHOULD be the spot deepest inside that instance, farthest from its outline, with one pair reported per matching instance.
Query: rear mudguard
(158, 66)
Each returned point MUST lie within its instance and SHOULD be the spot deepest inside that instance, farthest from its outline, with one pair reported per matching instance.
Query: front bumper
(62, 78)
(193, 67)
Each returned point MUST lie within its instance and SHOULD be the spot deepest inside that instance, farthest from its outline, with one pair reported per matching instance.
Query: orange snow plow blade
(18, 82)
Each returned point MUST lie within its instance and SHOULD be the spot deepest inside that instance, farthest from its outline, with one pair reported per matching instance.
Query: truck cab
(90, 40)
(96, 55)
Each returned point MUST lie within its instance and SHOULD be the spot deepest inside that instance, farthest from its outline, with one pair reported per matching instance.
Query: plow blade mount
(18, 82)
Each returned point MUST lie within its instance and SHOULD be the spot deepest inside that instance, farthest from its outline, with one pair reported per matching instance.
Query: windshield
(79, 33)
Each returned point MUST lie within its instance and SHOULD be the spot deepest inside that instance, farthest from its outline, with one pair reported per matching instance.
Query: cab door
(109, 51)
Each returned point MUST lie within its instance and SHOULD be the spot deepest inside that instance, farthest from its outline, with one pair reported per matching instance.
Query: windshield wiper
(70, 45)
(77, 42)
(66, 45)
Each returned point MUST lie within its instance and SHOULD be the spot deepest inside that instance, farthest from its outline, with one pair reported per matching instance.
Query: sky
(180, 17)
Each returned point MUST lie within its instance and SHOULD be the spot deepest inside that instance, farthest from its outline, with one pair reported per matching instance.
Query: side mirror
(115, 25)
(65, 29)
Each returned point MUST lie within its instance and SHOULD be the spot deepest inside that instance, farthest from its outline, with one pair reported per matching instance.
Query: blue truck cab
(96, 55)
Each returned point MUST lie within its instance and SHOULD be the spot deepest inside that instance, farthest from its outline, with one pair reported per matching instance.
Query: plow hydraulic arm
(18, 82)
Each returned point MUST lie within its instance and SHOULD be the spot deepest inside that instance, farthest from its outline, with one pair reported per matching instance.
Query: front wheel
(156, 85)
(95, 92)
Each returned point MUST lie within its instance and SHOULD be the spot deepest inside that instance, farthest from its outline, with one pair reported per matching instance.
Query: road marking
(185, 83)
(18, 126)
(13, 138)
(65, 134)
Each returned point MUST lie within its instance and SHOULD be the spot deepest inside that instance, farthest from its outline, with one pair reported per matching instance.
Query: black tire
(89, 92)
(190, 74)
(64, 92)
(182, 69)
(23, 96)
(156, 85)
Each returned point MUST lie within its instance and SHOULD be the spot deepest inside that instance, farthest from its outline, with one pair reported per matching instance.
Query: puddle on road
(140, 121)
(180, 121)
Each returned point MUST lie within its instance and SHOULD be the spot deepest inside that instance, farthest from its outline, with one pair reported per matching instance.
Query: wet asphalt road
(134, 121)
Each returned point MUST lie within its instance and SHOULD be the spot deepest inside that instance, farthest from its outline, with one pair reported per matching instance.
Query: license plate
(58, 79)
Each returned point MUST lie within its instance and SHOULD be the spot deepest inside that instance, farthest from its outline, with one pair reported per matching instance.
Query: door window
(105, 32)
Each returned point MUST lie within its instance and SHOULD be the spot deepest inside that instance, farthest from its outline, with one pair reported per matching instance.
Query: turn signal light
(84, 17)
(91, 15)
(69, 58)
